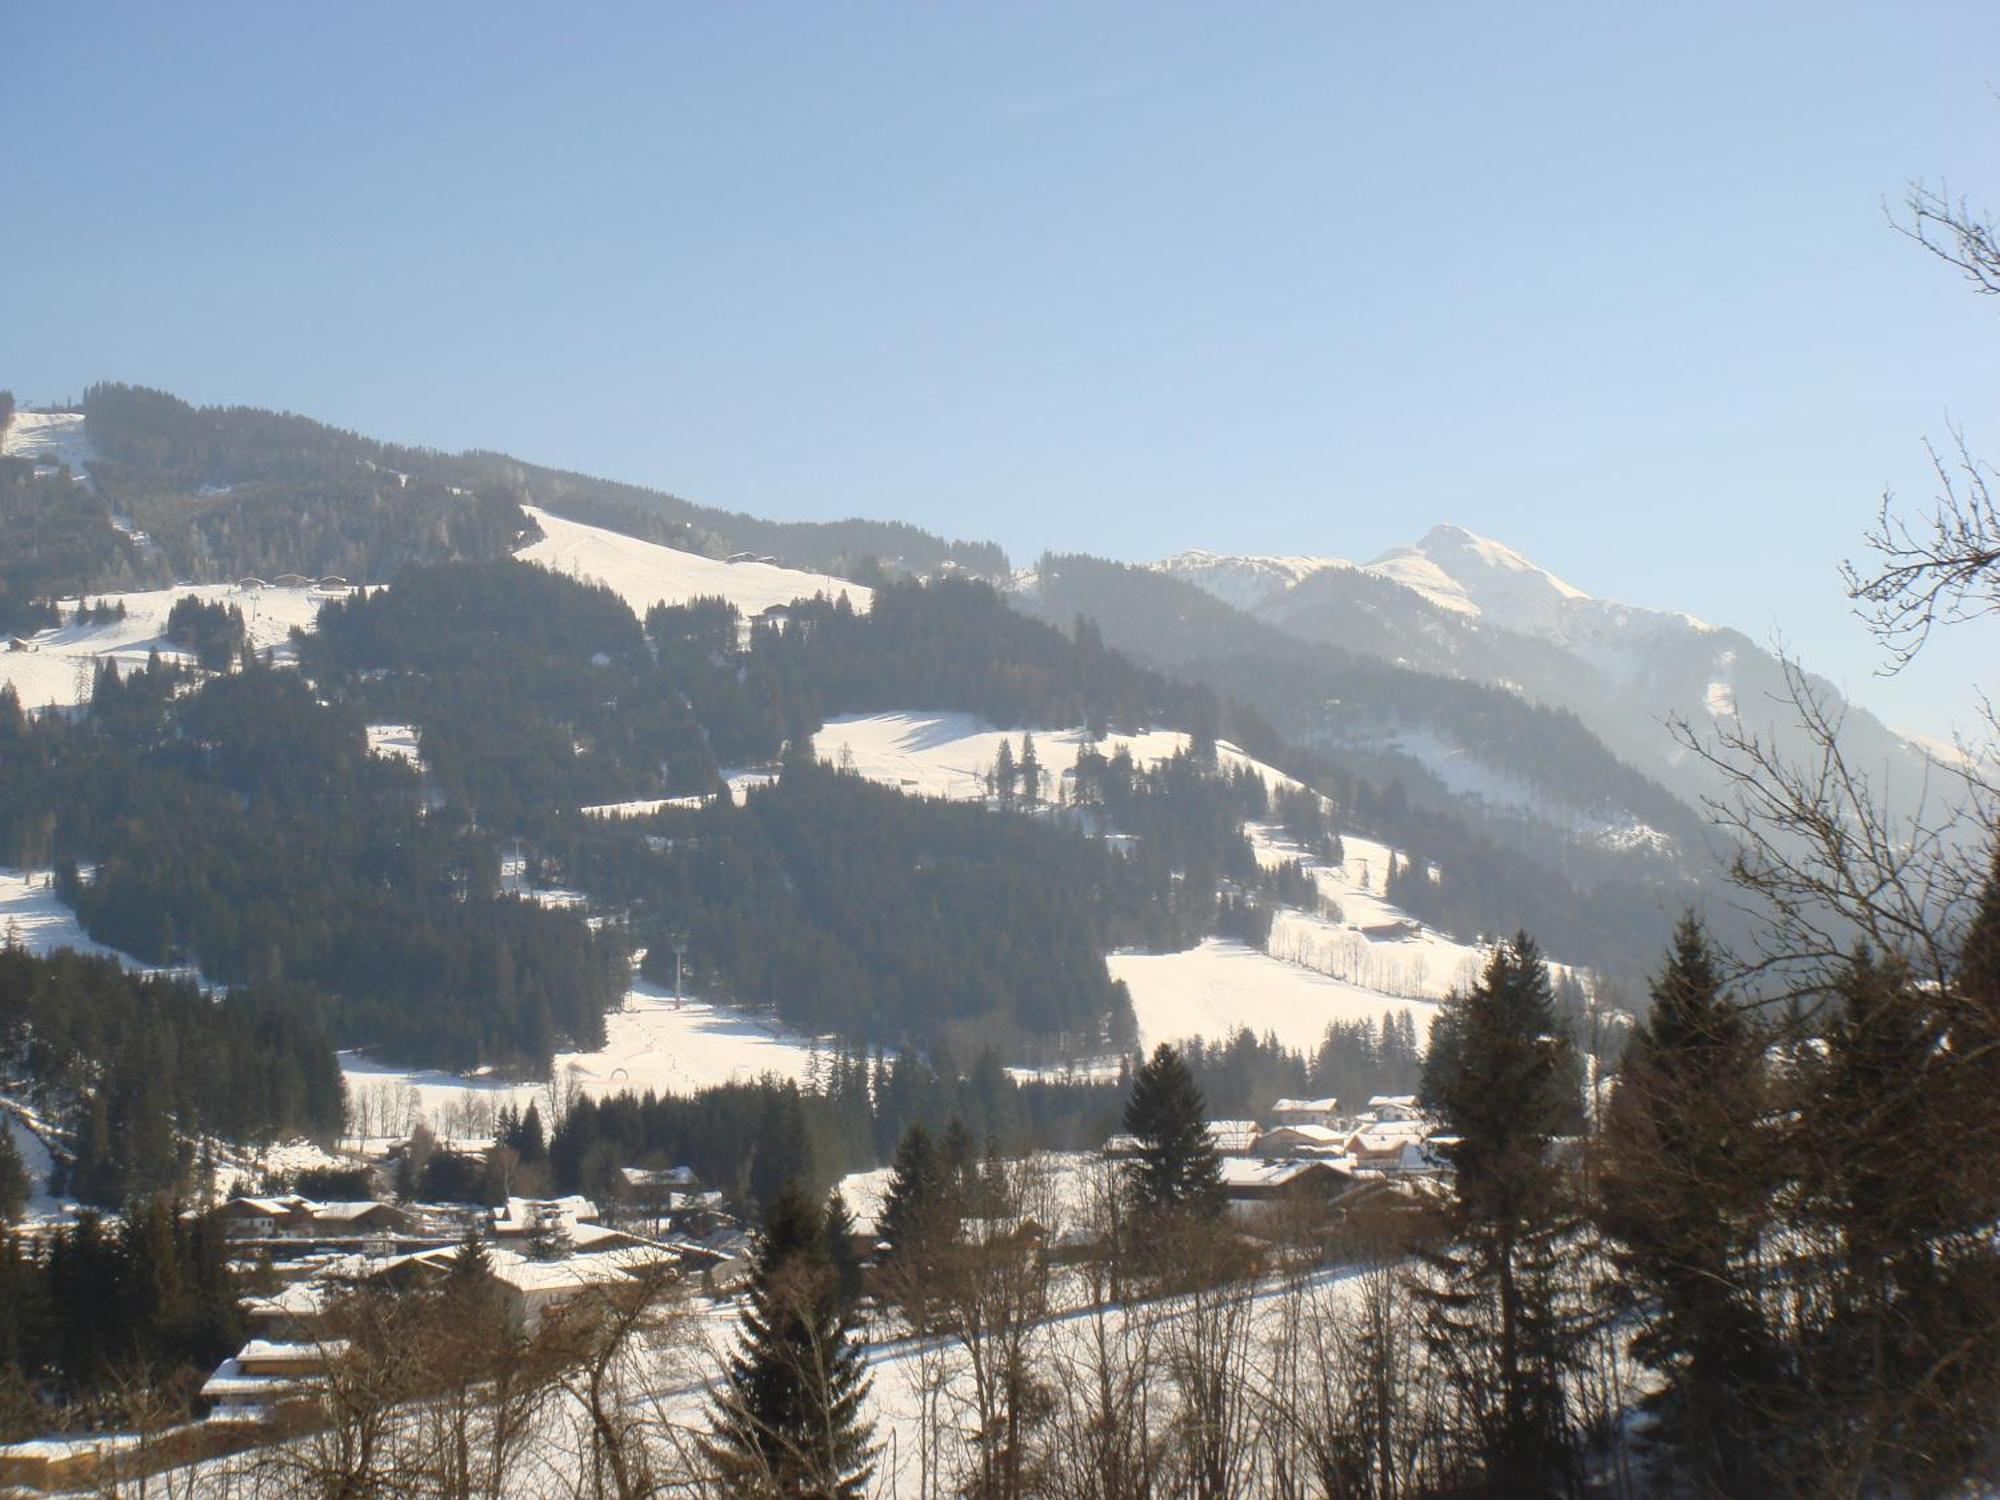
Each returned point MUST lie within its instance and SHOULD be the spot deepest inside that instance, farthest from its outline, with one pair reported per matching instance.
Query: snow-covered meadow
(58, 665)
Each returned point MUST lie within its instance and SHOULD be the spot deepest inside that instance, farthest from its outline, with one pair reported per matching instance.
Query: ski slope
(57, 666)
(645, 573)
(48, 438)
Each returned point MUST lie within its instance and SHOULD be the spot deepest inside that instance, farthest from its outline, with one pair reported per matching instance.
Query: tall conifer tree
(1503, 1084)
(1176, 1167)
(1688, 1176)
(788, 1422)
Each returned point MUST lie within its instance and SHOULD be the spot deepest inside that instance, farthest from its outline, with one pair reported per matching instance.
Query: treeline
(214, 484)
(243, 827)
(750, 1139)
(107, 1319)
(1324, 705)
(135, 1072)
(59, 541)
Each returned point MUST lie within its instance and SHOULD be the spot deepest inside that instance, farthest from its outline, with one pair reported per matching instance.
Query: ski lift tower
(680, 958)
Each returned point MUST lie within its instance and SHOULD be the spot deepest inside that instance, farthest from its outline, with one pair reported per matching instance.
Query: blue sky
(1610, 283)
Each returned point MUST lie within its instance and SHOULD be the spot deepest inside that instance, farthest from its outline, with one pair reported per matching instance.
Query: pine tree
(788, 1421)
(1503, 1083)
(917, 1212)
(1002, 780)
(1031, 771)
(14, 1184)
(840, 1249)
(1176, 1168)
(1684, 1194)
(1900, 1279)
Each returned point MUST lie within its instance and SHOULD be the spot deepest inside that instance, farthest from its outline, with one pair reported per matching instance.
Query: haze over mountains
(1476, 609)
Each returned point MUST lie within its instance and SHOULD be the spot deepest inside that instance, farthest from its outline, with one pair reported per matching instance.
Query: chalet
(246, 585)
(333, 581)
(19, 643)
(1394, 1107)
(262, 1376)
(296, 1218)
(1232, 1137)
(1254, 1189)
(73, 1463)
(1386, 1145)
(1305, 1112)
(292, 581)
(1300, 1140)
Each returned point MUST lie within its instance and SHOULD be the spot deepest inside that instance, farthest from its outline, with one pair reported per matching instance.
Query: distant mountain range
(1470, 608)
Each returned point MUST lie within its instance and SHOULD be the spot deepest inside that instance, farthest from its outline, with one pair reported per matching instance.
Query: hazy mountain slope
(1470, 607)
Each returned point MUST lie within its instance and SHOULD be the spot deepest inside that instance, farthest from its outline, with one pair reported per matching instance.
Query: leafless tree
(369, 1366)
(613, 1332)
(1821, 860)
(991, 1293)
(1205, 1344)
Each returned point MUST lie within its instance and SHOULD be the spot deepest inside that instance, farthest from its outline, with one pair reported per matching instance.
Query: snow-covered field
(949, 754)
(395, 742)
(1318, 970)
(1215, 990)
(644, 573)
(33, 915)
(60, 663)
(49, 438)
(650, 1044)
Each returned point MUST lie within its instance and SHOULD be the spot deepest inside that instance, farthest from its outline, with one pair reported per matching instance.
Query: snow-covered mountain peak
(1474, 575)
(1247, 582)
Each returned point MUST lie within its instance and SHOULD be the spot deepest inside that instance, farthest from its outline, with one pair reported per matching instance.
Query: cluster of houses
(1310, 1164)
(1311, 1156)
(544, 1253)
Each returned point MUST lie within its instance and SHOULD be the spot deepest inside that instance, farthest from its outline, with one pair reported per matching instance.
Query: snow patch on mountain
(55, 667)
(645, 573)
(48, 439)
(1247, 583)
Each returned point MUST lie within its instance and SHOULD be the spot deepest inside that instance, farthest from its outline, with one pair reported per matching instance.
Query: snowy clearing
(949, 754)
(58, 664)
(48, 438)
(645, 573)
(1219, 988)
(649, 1045)
(33, 915)
(395, 742)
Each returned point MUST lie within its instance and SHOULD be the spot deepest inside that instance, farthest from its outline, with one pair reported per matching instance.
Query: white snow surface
(32, 914)
(49, 438)
(395, 742)
(645, 573)
(649, 1045)
(1219, 988)
(1245, 582)
(58, 667)
(934, 754)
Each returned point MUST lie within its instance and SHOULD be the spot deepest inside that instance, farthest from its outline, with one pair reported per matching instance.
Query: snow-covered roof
(1327, 1106)
(1241, 1173)
(1317, 1135)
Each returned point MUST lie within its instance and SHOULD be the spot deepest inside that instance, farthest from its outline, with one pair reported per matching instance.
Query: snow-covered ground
(48, 439)
(1217, 989)
(645, 573)
(948, 754)
(33, 915)
(395, 742)
(650, 1044)
(60, 663)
